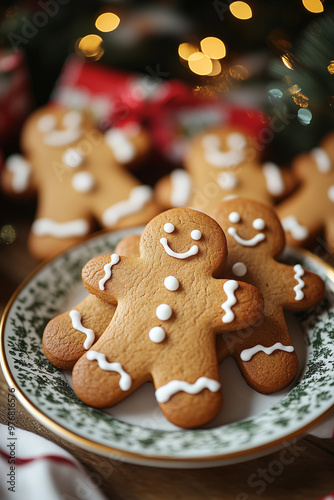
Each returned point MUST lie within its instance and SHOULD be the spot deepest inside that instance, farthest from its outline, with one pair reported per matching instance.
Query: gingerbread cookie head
(309, 211)
(80, 177)
(169, 309)
(182, 239)
(222, 163)
(251, 227)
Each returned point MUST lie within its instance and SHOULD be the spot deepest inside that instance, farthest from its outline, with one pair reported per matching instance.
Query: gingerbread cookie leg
(190, 385)
(270, 364)
(55, 229)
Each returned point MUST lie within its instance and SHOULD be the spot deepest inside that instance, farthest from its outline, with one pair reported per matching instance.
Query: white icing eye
(46, 123)
(72, 158)
(236, 141)
(234, 217)
(196, 234)
(169, 228)
(72, 119)
(259, 224)
(211, 141)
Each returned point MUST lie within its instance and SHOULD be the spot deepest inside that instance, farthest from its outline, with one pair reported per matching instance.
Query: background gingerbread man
(223, 162)
(255, 237)
(169, 308)
(80, 177)
(309, 211)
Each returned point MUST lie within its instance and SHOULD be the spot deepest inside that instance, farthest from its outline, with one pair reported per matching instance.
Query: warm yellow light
(200, 64)
(314, 6)
(239, 72)
(90, 45)
(330, 67)
(108, 21)
(186, 49)
(241, 10)
(213, 47)
(216, 68)
(286, 61)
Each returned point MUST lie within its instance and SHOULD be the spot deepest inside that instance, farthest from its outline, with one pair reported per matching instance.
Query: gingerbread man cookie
(70, 334)
(222, 163)
(170, 306)
(80, 177)
(310, 209)
(255, 238)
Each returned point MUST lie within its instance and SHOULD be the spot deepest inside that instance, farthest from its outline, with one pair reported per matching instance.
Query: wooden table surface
(309, 476)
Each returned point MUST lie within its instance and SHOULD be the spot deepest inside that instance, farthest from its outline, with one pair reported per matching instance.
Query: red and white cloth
(32, 467)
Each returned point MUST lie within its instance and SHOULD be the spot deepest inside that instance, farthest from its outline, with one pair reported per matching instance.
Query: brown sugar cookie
(220, 163)
(255, 237)
(170, 306)
(69, 335)
(80, 176)
(309, 211)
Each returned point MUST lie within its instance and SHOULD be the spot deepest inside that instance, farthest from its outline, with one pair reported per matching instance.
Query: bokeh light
(286, 59)
(241, 10)
(186, 50)
(90, 46)
(7, 234)
(304, 116)
(108, 21)
(200, 64)
(274, 95)
(314, 6)
(330, 67)
(216, 68)
(213, 47)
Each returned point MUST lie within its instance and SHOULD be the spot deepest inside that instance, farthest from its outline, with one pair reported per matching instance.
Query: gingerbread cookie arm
(329, 231)
(174, 190)
(279, 182)
(241, 307)
(301, 289)
(106, 276)
(128, 145)
(301, 225)
(68, 336)
(17, 177)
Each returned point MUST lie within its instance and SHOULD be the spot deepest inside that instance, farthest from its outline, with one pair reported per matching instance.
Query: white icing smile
(192, 251)
(246, 243)
(55, 137)
(224, 159)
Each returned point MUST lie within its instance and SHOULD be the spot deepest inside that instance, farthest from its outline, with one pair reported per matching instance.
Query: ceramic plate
(249, 425)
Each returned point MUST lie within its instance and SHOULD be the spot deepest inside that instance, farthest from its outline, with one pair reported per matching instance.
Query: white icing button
(259, 224)
(331, 193)
(83, 182)
(227, 181)
(164, 312)
(234, 217)
(46, 123)
(171, 283)
(168, 227)
(239, 269)
(72, 158)
(157, 334)
(196, 234)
